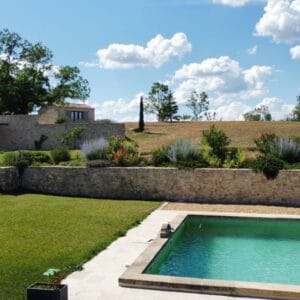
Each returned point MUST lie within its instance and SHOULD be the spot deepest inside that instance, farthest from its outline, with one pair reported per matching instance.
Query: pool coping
(135, 278)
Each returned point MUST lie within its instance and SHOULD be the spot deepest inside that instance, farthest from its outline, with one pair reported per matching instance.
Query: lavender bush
(94, 149)
(181, 150)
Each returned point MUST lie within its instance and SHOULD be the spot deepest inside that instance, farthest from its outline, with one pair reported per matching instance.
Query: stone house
(73, 111)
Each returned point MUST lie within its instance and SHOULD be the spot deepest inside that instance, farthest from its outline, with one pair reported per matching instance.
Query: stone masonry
(235, 186)
(18, 132)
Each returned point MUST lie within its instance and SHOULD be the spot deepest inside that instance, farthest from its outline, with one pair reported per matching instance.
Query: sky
(242, 53)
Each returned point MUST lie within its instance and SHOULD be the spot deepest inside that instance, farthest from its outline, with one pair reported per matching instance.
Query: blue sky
(243, 53)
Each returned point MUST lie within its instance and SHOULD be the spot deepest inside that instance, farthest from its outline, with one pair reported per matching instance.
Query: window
(76, 115)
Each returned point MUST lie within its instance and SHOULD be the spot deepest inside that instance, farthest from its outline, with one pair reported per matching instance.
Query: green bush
(62, 119)
(122, 152)
(266, 143)
(181, 150)
(159, 156)
(72, 137)
(215, 144)
(36, 157)
(60, 154)
(235, 158)
(269, 165)
(96, 154)
(16, 159)
(286, 149)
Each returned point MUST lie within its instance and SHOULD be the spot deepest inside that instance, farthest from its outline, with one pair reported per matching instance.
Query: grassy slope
(38, 232)
(241, 134)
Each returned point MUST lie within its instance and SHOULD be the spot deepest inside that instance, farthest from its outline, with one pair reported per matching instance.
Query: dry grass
(241, 134)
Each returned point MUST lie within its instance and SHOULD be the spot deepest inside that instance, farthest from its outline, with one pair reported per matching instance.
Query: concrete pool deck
(99, 277)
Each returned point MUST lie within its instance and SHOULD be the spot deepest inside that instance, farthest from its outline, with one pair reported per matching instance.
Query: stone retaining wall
(198, 185)
(9, 179)
(18, 132)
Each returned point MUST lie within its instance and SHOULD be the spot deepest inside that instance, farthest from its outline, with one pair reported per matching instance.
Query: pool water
(229, 248)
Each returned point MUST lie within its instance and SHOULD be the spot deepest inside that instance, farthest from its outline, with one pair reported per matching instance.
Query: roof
(75, 105)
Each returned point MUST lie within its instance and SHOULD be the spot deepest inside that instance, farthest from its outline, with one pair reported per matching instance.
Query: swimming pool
(226, 248)
(240, 255)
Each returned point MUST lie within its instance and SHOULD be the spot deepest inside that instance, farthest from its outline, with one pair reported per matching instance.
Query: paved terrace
(99, 277)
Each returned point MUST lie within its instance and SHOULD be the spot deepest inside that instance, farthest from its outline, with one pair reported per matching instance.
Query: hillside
(241, 134)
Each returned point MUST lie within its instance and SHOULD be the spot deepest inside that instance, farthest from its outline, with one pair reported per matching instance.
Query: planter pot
(45, 291)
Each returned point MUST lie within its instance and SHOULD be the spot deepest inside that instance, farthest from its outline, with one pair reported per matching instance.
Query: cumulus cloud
(235, 110)
(295, 52)
(121, 110)
(252, 50)
(156, 53)
(222, 77)
(234, 3)
(280, 21)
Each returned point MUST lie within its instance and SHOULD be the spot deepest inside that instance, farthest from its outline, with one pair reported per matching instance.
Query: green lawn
(38, 232)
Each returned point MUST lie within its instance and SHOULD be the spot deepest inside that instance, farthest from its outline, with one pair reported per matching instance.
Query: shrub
(287, 150)
(10, 158)
(95, 149)
(37, 157)
(72, 137)
(62, 119)
(60, 154)
(269, 165)
(97, 154)
(16, 159)
(266, 143)
(122, 152)
(234, 158)
(181, 150)
(217, 141)
(159, 156)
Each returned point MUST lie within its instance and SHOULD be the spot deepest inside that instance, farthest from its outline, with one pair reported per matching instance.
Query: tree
(141, 119)
(161, 102)
(28, 79)
(261, 113)
(296, 111)
(198, 103)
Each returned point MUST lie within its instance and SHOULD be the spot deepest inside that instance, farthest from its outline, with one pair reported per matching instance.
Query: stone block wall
(20, 131)
(9, 179)
(239, 186)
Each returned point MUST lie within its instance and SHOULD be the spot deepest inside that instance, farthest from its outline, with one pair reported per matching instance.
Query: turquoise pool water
(225, 248)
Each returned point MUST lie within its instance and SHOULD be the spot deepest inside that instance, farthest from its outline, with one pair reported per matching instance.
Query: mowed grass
(242, 134)
(38, 232)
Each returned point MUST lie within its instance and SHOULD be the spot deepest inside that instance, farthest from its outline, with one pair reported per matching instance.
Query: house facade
(74, 112)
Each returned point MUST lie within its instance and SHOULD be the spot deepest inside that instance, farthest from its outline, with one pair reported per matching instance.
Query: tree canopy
(198, 103)
(28, 79)
(261, 113)
(161, 102)
(296, 111)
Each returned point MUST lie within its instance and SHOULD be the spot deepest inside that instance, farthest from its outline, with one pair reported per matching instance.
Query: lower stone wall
(9, 179)
(198, 185)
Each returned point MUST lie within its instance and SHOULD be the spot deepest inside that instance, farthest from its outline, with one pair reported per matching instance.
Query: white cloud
(295, 52)
(234, 3)
(121, 110)
(234, 111)
(252, 50)
(277, 107)
(157, 52)
(281, 21)
(223, 78)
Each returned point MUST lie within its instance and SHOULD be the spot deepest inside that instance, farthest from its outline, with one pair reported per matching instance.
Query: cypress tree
(141, 120)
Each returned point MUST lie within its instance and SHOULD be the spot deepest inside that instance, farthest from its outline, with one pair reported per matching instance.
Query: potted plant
(51, 290)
